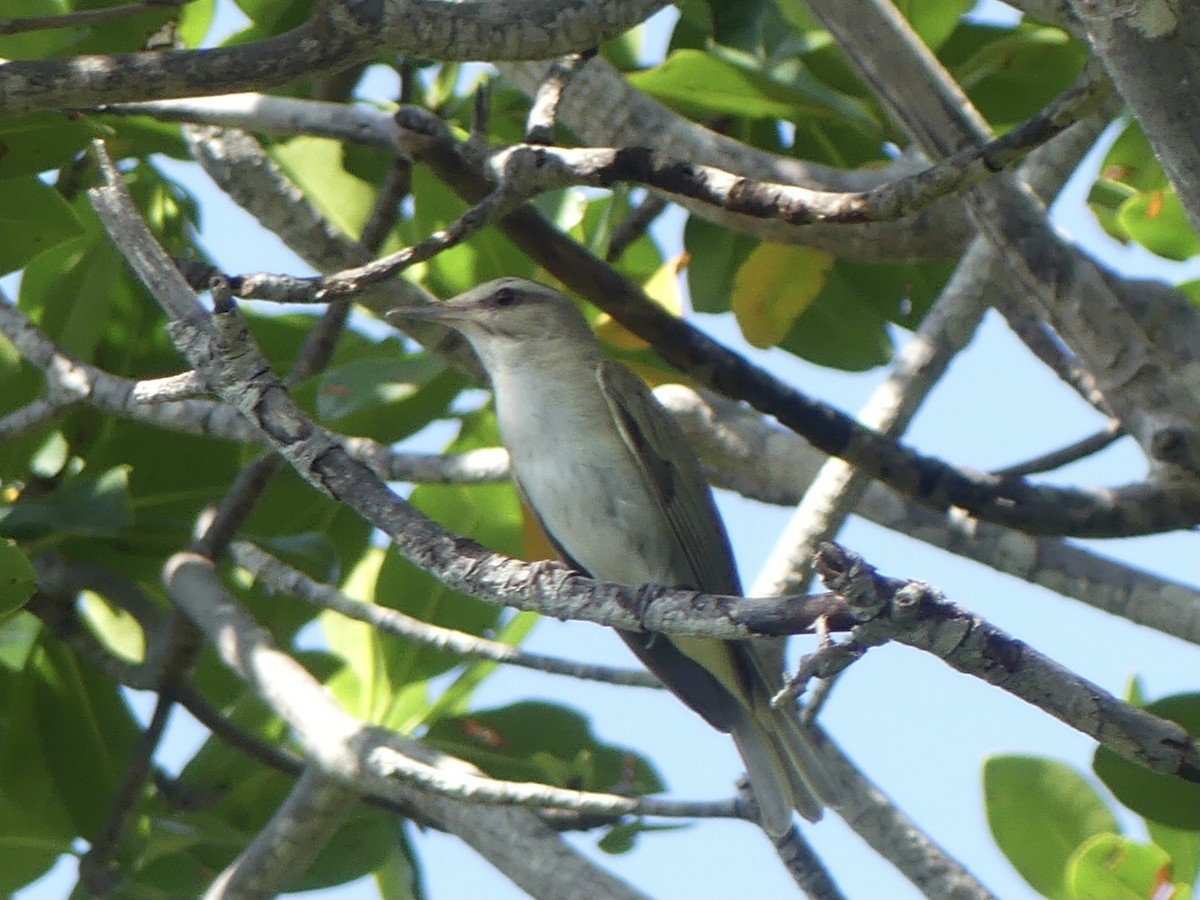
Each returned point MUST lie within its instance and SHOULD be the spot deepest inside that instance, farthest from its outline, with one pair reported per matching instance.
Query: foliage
(91, 488)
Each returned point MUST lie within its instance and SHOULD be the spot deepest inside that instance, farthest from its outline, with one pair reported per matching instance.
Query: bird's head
(510, 320)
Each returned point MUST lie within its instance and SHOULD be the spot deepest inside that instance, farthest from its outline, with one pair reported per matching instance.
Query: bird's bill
(434, 312)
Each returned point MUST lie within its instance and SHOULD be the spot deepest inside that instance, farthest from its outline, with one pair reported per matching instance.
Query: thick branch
(339, 35)
(916, 614)
(377, 760)
(1150, 388)
(1145, 46)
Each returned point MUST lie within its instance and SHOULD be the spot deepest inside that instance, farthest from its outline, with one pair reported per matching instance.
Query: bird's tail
(782, 760)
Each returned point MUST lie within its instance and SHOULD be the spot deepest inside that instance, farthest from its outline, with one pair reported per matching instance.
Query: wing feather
(673, 475)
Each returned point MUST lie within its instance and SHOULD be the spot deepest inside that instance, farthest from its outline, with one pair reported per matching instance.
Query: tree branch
(946, 329)
(299, 829)
(339, 35)
(377, 760)
(1148, 386)
(916, 614)
(281, 577)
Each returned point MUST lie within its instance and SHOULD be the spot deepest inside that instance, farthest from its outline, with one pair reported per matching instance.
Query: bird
(620, 493)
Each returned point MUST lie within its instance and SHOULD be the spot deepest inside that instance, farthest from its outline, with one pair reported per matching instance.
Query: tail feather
(784, 768)
(784, 765)
(769, 777)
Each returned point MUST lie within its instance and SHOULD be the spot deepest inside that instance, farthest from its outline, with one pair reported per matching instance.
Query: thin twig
(282, 577)
(1056, 459)
(84, 17)
(634, 225)
(98, 872)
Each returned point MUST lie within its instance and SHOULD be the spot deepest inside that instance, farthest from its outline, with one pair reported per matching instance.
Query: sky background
(918, 729)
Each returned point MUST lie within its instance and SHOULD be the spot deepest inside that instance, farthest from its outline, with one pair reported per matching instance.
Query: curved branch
(298, 830)
(916, 614)
(746, 454)
(527, 170)
(1036, 509)
(377, 760)
(605, 110)
(339, 35)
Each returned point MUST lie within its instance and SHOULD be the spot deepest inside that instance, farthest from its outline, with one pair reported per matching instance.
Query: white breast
(579, 477)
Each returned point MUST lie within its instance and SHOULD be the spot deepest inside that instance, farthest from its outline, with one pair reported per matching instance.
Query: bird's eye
(504, 298)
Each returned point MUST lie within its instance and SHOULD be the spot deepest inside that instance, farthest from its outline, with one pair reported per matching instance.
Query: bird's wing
(673, 477)
(673, 474)
(692, 683)
(772, 742)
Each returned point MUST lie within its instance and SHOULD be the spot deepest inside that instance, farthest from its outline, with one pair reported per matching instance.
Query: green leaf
(33, 218)
(292, 507)
(774, 287)
(364, 687)
(487, 255)
(1131, 161)
(840, 331)
(1182, 846)
(309, 551)
(455, 699)
(716, 256)
(489, 513)
(622, 837)
(25, 855)
(195, 20)
(1167, 799)
(699, 85)
(388, 397)
(399, 875)
(1011, 73)
(54, 284)
(359, 847)
(18, 639)
(35, 826)
(934, 20)
(86, 505)
(170, 875)
(317, 166)
(738, 23)
(543, 742)
(125, 34)
(1191, 290)
(1135, 691)
(114, 626)
(1040, 811)
(37, 44)
(1110, 867)
(1157, 221)
(17, 579)
(386, 679)
(88, 734)
(274, 17)
(172, 476)
(222, 770)
(37, 142)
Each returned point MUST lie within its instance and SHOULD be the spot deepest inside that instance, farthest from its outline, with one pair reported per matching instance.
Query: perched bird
(620, 494)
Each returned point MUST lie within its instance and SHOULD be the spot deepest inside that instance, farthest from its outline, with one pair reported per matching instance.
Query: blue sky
(920, 730)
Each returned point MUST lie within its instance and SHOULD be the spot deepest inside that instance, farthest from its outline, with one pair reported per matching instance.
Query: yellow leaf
(663, 289)
(773, 287)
